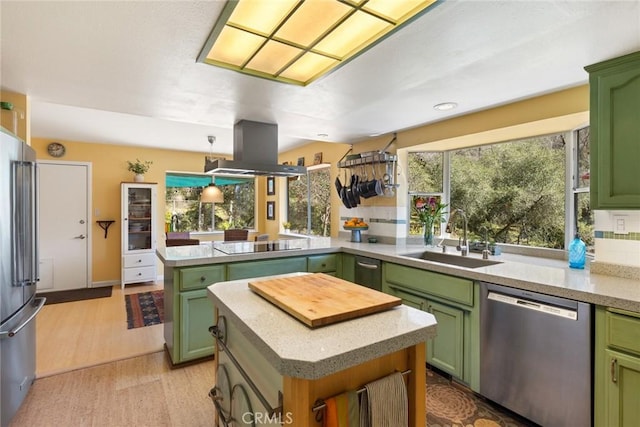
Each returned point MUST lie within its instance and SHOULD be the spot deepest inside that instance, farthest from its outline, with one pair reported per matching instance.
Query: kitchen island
(280, 354)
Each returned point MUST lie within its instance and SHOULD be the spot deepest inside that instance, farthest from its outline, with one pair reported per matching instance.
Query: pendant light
(211, 193)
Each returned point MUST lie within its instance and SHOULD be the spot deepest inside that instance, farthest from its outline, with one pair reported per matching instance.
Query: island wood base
(300, 395)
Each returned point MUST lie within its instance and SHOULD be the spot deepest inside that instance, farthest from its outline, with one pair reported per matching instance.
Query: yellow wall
(22, 109)
(109, 167)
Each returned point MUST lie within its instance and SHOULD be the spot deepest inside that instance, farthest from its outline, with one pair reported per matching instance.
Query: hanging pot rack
(369, 157)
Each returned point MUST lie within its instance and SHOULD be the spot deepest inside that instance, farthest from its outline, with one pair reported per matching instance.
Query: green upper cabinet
(615, 133)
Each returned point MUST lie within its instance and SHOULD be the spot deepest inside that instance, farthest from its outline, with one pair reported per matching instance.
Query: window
(425, 179)
(314, 188)
(515, 192)
(582, 219)
(184, 212)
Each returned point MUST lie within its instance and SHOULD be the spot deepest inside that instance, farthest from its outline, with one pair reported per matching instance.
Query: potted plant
(139, 168)
(287, 226)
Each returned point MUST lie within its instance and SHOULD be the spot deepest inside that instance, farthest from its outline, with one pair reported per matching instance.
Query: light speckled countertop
(298, 351)
(552, 277)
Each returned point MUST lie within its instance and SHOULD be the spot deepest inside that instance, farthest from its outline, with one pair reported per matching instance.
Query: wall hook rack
(105, 224)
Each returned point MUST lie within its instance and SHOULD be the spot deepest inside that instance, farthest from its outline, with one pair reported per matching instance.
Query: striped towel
(342, 410)
(385, 403)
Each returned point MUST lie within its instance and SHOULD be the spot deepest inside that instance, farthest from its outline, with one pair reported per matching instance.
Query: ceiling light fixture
(445, 106)
(297, 41)
(211, 193)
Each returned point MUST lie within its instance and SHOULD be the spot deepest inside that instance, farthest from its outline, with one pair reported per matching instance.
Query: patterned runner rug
(144, 309)
(451, 405)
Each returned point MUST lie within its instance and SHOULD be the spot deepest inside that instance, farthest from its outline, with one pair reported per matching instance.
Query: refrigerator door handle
(35, 215)
(35, 307)
(24, 217)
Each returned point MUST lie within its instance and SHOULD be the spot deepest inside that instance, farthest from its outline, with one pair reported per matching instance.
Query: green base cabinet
(615, 126)
(188, 313)
(196, 315)
(348, 267)
(617, 370)
(452, 301)
(327, 264)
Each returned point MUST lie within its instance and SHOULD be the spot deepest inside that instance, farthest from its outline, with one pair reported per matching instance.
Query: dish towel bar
(319, 405)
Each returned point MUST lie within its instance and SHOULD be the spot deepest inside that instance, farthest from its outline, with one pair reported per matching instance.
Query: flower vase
(428, 234)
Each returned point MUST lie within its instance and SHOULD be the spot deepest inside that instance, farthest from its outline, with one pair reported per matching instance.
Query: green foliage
(320, 187)
(515, 190)
(512, 191)
(139, 167)
(237, 210)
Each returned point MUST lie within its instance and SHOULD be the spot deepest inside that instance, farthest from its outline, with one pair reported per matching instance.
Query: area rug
(144, 309)
(75, 294)
(450, 405)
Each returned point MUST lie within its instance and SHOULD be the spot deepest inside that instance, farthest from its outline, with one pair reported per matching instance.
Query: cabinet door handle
(421, 305)
(614, 363)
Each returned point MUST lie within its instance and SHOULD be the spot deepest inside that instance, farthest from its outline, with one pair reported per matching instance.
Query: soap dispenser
(577, 253)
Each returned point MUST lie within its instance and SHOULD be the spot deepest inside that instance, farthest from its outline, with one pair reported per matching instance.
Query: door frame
(89, 184)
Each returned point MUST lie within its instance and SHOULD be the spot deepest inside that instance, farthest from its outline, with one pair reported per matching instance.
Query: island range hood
(255, 153)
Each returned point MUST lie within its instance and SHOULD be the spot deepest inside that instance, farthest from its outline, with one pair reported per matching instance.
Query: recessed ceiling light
(445, 106)
(296, 42)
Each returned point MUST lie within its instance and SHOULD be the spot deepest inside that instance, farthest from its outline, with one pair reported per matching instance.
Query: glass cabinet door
(139, 212)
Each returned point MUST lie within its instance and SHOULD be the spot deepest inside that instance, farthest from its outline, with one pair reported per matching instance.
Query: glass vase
(428, 234)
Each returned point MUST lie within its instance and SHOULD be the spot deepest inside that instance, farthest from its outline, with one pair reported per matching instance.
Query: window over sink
(530, 192)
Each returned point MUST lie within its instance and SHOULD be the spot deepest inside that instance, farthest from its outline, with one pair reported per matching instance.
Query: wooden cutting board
(319, 299)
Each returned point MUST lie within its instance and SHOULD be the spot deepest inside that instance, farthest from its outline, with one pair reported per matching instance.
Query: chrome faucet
(463, 246)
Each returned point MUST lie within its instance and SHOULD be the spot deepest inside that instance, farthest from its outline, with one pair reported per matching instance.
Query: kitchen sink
(452, 259)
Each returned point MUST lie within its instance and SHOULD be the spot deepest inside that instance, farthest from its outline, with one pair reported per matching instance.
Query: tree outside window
(185, 212)
(318, 191)
(513, 191)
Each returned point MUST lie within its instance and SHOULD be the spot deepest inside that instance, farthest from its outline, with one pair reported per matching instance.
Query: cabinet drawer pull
(614, 363)
(203, 278)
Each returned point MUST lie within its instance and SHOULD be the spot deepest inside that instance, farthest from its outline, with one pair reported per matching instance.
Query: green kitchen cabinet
(348, 267)
(446, 350)
(267, 267)
(196, 315)
(615, 126)
(623, 390)
(188, 313)
(617, 368)
(327, 263)
(453, 302)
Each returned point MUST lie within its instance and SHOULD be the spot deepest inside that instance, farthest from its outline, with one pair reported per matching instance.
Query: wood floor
(93, 371)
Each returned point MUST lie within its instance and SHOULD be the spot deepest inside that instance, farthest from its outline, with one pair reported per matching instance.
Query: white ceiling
(125, 72)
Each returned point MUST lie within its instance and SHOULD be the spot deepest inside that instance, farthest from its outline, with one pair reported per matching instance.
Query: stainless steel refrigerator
(18, 272)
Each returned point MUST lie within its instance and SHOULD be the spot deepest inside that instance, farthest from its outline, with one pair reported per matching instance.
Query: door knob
(82, 236)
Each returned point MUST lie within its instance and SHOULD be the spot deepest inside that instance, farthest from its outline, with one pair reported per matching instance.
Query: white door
(65, 239)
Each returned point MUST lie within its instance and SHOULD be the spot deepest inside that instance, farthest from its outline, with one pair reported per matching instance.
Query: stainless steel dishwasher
(369, 272)
(535, 355)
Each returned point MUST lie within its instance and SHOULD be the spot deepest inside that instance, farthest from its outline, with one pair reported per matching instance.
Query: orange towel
(342, 410)
(330, 413)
